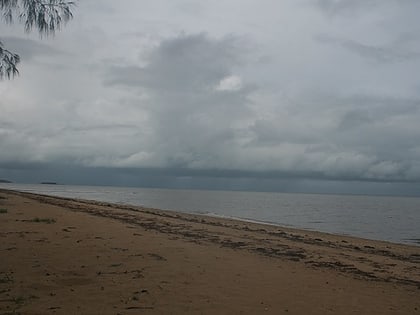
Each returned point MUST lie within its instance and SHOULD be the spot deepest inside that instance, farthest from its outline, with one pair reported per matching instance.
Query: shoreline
(190, 263)
(409, 242)
(401, 241)
(136, 208)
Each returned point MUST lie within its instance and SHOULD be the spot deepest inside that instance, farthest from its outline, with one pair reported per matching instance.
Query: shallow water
(389, 218)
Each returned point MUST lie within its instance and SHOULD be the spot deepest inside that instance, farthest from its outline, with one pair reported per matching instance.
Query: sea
(388, 218)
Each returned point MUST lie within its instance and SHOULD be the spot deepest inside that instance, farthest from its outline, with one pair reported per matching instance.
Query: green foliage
(3, 210)
(6, 278)
(46, 16)
(20, 299)
(45, 220)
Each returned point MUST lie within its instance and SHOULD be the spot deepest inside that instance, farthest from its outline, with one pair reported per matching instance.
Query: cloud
(230, 83)
(340, 7)
(186, 62)
(29, 49)
(383, 54)
(193, 122)
(205, 92)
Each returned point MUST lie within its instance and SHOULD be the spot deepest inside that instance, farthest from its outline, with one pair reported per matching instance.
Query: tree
(46, 16)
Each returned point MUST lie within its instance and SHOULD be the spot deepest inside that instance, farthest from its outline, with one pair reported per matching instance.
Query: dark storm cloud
(192, 97)
(198, 91)
(189, 179)
(186, 62)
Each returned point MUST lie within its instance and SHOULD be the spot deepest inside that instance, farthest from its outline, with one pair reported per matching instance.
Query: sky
(235, 94)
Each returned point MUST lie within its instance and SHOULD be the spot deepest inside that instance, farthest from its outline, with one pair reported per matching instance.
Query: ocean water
(395, 219)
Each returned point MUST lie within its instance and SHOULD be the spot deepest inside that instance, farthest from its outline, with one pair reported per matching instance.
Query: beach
(68, 256)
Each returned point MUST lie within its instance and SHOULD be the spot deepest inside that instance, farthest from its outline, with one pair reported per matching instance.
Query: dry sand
(63, 256)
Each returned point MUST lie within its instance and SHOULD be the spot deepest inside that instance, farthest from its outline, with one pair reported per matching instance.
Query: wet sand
(65, 256)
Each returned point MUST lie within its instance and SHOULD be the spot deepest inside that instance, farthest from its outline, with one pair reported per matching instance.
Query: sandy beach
(65, 256)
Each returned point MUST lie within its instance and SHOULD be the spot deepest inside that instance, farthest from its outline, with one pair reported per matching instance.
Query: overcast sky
(319, 89)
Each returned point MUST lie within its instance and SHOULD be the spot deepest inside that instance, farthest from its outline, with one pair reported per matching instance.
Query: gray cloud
(205, 92)
(339, 7)
(383, 54)
(29, 49)
(187, 62)
(193, 119)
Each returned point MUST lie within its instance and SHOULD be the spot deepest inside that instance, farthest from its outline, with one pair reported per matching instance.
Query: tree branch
(8, 7)
(8, 62)
(44, 15)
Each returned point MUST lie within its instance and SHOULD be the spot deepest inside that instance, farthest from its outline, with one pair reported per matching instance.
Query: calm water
(395, 219)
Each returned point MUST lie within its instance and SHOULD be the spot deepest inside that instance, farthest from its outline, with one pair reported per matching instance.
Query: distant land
(5, 181)
(48, 183)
